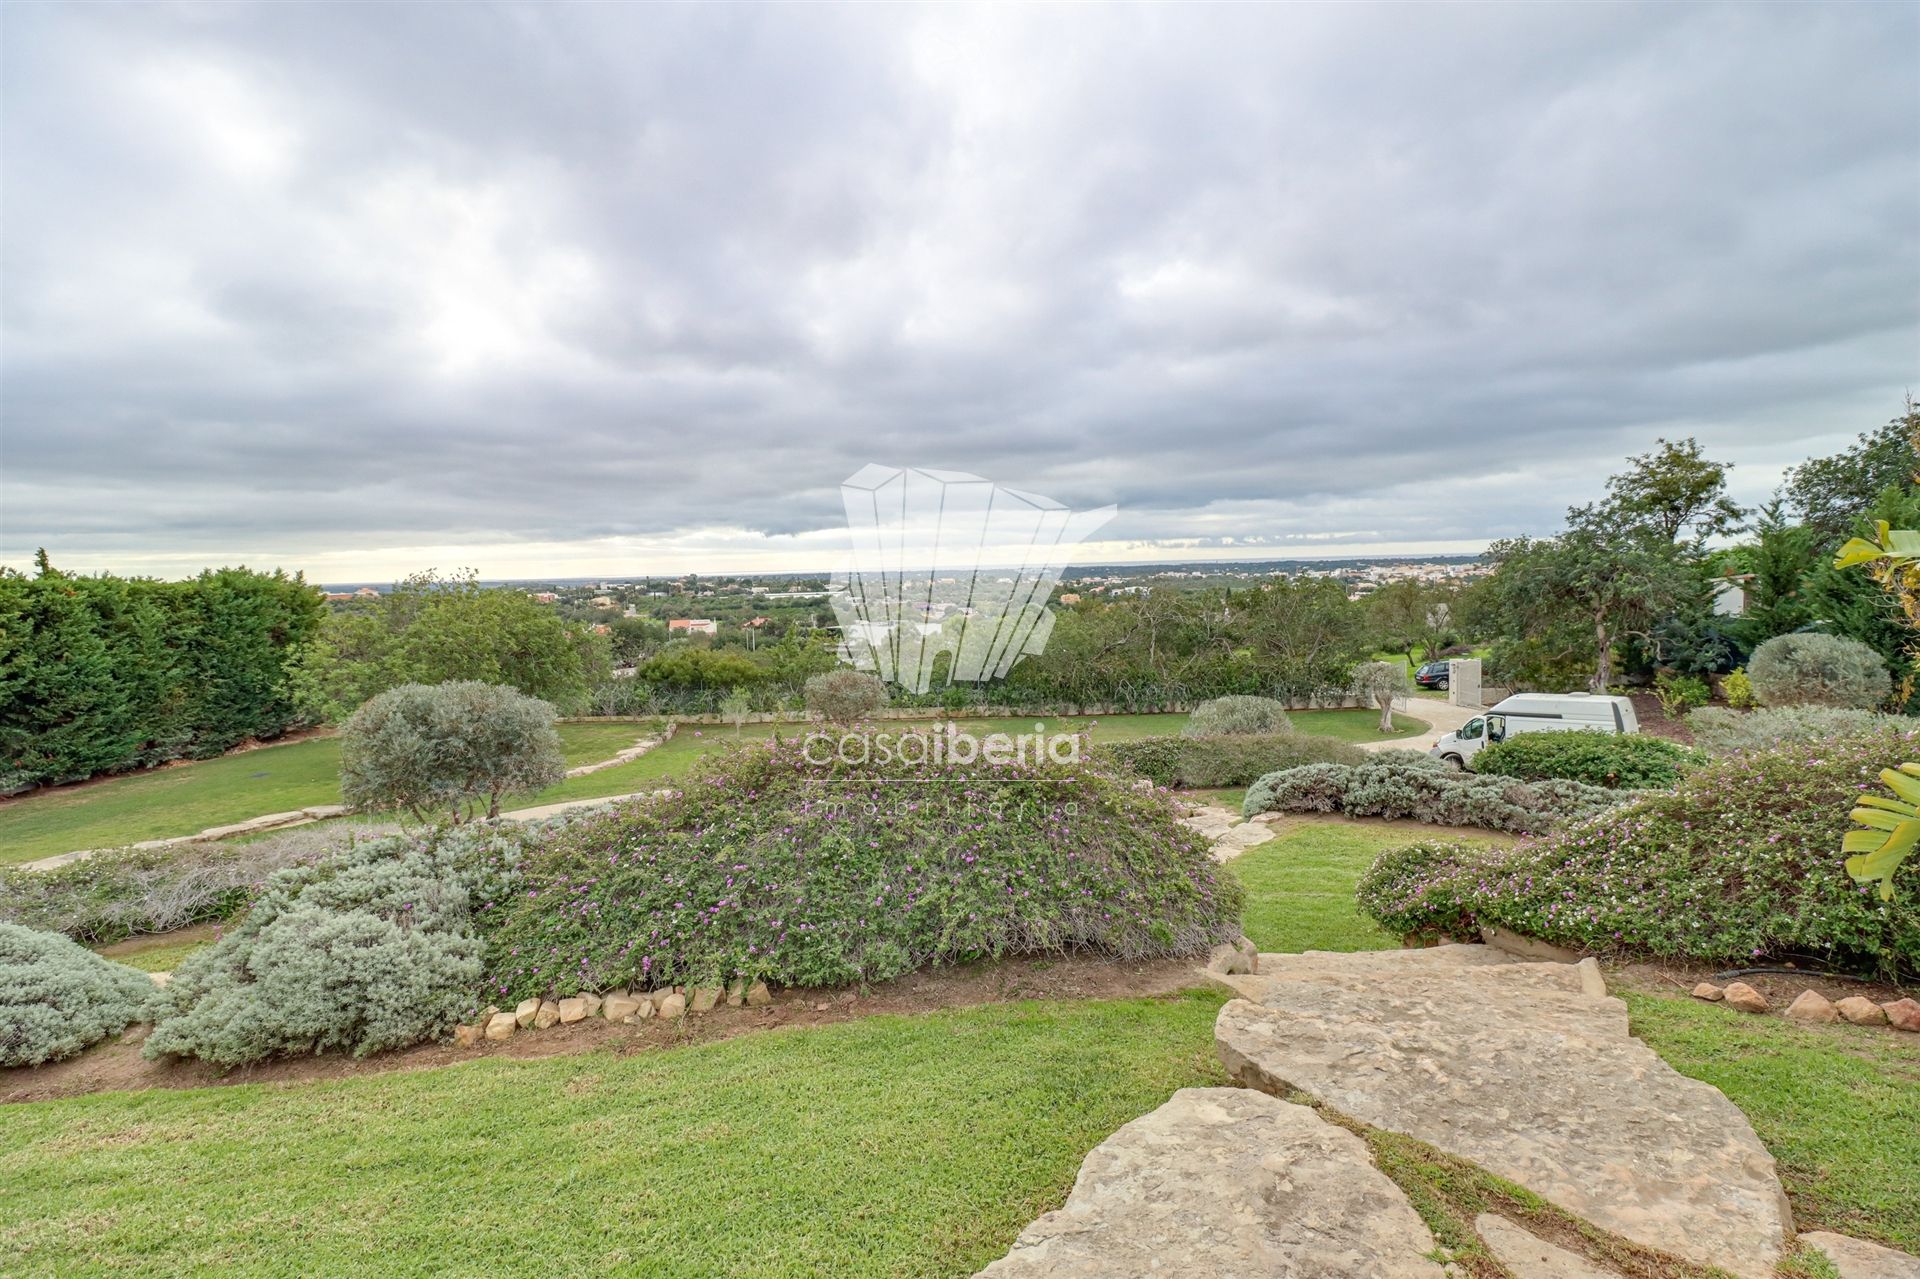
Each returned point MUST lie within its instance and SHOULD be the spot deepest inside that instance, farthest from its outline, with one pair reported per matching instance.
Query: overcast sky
(601, 289)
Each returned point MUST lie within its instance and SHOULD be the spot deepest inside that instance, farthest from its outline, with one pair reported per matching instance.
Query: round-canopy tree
(453, 748)
(845, 696)
(1380, 683)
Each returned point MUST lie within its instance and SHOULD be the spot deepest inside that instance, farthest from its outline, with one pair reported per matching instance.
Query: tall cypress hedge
(104, 674)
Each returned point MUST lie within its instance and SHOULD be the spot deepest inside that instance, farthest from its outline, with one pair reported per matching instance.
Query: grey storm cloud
(323, 283)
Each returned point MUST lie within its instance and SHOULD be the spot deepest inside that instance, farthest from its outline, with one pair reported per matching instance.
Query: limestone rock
(704, 998)
(1812, 1006)
(736, 992)
(526, 1012)
(1744, 997)
(1903, 1013)
(673, 1006)
(466, 1036)
(1525, 947)
(1858, 1259)
(1529, 1257)
(1225, 1181)
(758, 996)
(1708, 991)
(546, 1015)
(645, 1010)
(572, 1010)
(160, 979)
(502, 1026)
(593, 1003)
(1519, 1069)
(619, 1008)
(1861, 1011)
(1227, 959)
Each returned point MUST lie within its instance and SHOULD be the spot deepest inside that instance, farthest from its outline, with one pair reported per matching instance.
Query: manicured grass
(1838, 1107)
(891, 1146)
(214, 792)
(1300, 888)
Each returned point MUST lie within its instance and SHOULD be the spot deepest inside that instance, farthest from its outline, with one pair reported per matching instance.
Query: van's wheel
(1454, 762)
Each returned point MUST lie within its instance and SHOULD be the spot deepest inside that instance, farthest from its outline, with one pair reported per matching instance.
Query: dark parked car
(1432, 675)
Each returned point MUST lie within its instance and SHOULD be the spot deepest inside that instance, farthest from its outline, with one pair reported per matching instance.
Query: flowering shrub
(769, 865)
(57, 997)
(1741, 861)
(1423, 790)
(1223, 761)
(1619, 760)
(1719, 731)
(376, 947)
(1236, 716)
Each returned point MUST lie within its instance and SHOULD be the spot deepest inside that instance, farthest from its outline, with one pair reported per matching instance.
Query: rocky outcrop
(1526, 1070)
(1227, 1182)
(1229, 835)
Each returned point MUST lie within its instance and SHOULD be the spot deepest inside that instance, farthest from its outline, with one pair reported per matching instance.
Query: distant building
(339, 597)
(543, 597)
(602, 601)
(1730, 595)
(693, 626)
(367, 593)
(1069, 598)
(754, 624)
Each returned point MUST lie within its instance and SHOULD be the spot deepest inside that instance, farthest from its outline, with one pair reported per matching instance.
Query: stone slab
(1858, 1259)
(1517, 1068)
(1529, 1257)
(1226, 1183)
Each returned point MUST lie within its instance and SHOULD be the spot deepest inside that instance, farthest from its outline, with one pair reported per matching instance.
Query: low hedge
(1229, 760)
(57, 997)
(770, 866)
(1423, 790)
(1719, 730)
(1739, 863)
(1628, 761)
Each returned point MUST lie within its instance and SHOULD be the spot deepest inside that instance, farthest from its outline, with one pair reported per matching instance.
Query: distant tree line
(102, 674)
(1627, 588)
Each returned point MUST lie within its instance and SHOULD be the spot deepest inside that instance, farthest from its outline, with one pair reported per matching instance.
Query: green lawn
(162, 953)
(1838, 1107)
(191, 797)
(891, 1146)
(1300, 886)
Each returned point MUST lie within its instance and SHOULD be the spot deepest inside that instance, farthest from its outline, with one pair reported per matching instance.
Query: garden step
(1227, 1182)
(1528, 1070)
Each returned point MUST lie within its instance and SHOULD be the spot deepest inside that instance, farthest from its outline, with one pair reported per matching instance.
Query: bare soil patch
(1676, 976)
(116, 1066)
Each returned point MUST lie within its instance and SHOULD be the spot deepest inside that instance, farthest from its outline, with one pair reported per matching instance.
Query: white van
(1536, 713)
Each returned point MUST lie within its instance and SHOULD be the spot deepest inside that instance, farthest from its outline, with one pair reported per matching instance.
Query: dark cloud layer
(344, 286)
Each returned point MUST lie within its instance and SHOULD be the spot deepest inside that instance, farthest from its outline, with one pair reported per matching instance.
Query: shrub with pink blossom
(770, 865)
(1740, 862)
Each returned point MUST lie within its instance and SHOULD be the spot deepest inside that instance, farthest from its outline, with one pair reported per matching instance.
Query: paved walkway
(1442, 718)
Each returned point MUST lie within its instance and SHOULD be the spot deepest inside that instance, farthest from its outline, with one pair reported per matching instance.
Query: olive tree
(736, 706)
(453, 748)
(1380, 683)
(845, 696)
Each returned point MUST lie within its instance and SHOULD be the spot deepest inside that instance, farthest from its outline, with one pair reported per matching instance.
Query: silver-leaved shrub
(1400, 786)
(1236, 715)
(1720, 731)
(1812, 669)
(374, 948)
(57, 997)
